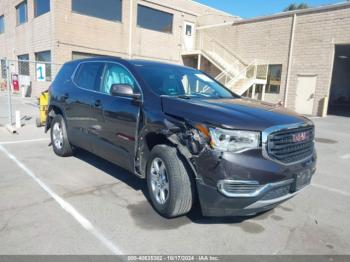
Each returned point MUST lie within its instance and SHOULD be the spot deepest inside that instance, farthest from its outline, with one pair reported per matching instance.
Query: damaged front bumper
(245, 184)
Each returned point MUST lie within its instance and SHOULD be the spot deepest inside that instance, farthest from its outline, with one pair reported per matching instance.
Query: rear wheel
(59, 137)
(169, 184)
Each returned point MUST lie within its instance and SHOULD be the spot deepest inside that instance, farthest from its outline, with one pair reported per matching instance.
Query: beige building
(150, 29)
(297, 58)
(58, 31)
(307, 52)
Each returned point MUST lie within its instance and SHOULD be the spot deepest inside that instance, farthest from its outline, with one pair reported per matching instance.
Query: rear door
(118, 117)
(87, 81)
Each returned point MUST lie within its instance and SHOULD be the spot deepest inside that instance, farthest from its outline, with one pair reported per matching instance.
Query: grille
(276, 193)
(283, 146)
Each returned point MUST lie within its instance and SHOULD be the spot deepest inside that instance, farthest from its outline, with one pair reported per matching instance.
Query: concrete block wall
(81, 33)
(63, 32)
(316, 34)
(315, 38)
(29, 38)
(151, 44)
(267, 40)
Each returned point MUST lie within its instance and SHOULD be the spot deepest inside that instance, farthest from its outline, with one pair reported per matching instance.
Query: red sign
(15, 83)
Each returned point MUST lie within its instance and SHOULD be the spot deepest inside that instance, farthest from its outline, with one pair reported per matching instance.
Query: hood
(230, 113)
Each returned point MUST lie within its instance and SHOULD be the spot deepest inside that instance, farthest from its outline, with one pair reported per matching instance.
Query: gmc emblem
(300, 137)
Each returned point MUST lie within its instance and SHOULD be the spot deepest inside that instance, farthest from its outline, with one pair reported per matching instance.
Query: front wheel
(59, 137)
(169, 184)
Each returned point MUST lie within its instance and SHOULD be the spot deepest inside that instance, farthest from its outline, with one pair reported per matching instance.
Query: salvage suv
(185, 133)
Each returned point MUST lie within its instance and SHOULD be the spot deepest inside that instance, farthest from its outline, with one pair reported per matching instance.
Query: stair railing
(250, 72)
(209, 46)
(237, 69)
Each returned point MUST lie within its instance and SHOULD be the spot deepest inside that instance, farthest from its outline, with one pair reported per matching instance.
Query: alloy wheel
(159, 181)
(57, 135)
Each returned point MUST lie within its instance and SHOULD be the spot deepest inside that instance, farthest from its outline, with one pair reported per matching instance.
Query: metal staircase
(235, 74)
(253, 74)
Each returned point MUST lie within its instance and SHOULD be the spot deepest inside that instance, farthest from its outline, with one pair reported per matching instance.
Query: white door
(189, 36)
(306, 86)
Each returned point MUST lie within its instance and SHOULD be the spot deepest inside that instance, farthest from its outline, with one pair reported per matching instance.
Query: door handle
(97, 103)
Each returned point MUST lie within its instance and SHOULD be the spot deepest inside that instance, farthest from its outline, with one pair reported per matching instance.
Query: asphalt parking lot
(85, 205)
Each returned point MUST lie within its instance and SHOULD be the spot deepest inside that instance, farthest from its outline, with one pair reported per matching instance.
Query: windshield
(177, 81)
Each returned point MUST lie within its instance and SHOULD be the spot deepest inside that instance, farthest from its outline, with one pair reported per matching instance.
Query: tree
(293, 7)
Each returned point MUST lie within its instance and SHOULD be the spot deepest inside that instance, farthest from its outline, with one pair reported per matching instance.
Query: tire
(179, 197)
(59, 137)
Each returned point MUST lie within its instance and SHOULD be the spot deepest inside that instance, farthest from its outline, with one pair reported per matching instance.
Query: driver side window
(116, 74)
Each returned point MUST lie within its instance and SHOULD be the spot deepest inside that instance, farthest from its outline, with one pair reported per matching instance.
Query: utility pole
(9, 92)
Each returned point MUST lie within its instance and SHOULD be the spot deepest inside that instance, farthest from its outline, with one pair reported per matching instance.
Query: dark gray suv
(185, 133)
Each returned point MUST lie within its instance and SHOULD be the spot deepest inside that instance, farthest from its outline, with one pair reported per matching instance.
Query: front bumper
(276, 182)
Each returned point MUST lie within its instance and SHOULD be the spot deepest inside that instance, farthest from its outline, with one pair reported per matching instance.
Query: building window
(153, 19)
(274, 79)
(23, 66)
(106, 9)
(22, 13)
(2, 24)
(41, 7)
(45, 57)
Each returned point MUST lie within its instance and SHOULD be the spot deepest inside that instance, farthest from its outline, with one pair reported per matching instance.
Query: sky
(253, 8)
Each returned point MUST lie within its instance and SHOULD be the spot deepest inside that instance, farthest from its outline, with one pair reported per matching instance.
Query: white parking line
(334, 190)
(23, 141)
(85, 223)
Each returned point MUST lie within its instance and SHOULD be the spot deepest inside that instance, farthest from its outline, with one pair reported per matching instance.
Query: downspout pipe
(130, 28)
(290, 59)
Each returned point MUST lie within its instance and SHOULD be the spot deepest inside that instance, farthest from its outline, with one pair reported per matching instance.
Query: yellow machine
(43, 102)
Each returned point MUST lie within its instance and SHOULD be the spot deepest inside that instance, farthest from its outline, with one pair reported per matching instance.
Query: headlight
(234, 140)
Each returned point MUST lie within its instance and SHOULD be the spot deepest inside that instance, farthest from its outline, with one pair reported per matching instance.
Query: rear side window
(65, 73)
(88, 75)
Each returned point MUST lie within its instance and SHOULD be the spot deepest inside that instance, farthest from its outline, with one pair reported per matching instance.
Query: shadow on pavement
(143, 213)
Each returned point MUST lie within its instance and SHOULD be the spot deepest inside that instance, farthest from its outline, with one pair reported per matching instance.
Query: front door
(87, 80)
(118, 117)
(305, 97)
(189, 36)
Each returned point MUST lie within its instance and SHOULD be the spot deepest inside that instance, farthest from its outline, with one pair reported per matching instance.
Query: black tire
(180, 184)
(65, 148)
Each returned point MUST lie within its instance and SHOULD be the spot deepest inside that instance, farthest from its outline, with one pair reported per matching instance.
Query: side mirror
(123, 90)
